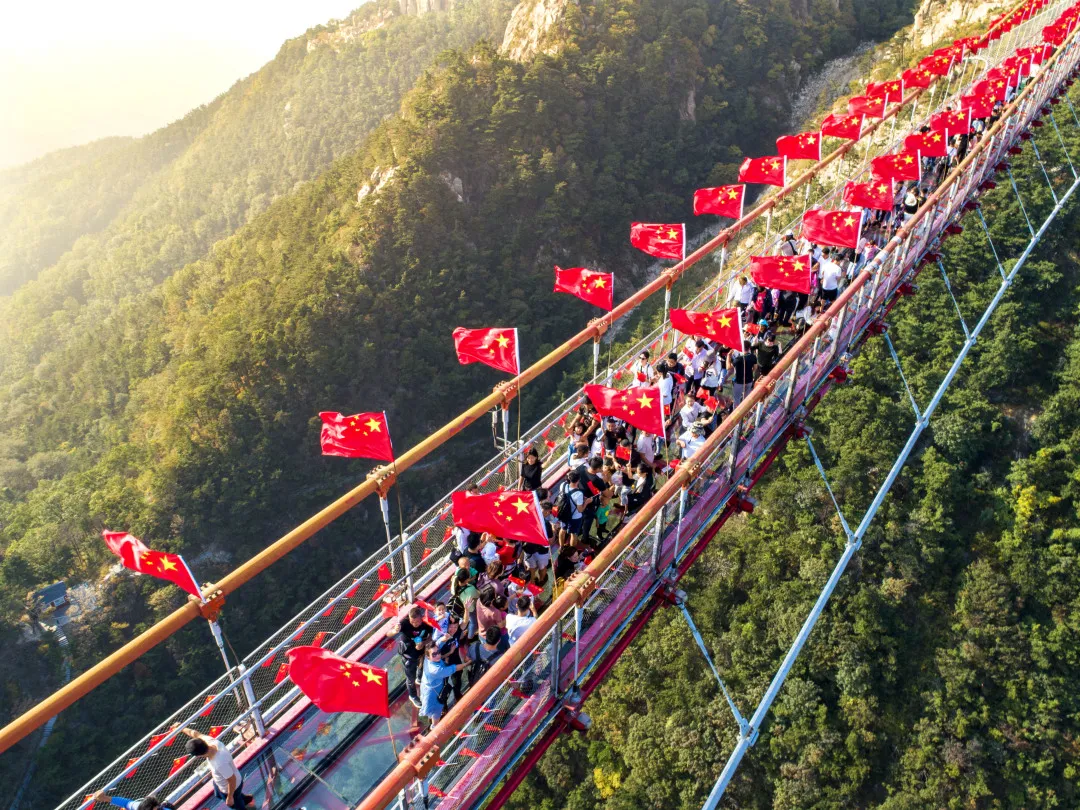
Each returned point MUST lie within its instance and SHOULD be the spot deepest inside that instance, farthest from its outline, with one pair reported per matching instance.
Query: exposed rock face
(417, 7)
(355, 26)
(529, 30)
(935, 17)
(379, 178)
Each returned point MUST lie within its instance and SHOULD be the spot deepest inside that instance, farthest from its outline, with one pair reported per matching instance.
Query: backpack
(563, 507)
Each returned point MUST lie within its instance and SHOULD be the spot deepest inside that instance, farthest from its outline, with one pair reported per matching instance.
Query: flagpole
(520, 391)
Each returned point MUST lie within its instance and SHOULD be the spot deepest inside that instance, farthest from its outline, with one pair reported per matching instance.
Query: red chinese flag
(282, 673)
(892, 91)
(904, 166)
(877, 195)
(350, 614)
(938, 65)
(805, 146)
(833, 228)
(864, 105)
(496, 347)
(781, 272)
(664, 241)
(131, 772)
(622, 453)
(177, 764)
(320, 637)
(510, 514)
(588, 285)
(1055, 34)
(723, 201)
(640, 407)
(210, 709)
(215, 731)
(137, 557)
(1017, 65)
(848, 127)
(336, 684)
(951, 122)
(927, 144)
(918, 77)
(770, 171)
(362, 435)
(1007, 75)
(994, 89)
(156, 738)
(978, 106)
(722, 325)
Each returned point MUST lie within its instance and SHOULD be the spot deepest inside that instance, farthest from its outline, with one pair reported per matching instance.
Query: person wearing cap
(788, 246)
(691, 440)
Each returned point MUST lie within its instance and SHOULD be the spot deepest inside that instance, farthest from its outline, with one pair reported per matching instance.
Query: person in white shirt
(830, 274)
(228, 782)
(691, 440)
(642, 371)
(666, 383)
(517, 623)
(645, 444)
(742, 292)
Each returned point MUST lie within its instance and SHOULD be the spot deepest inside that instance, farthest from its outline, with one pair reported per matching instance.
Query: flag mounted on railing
(892, 92)
(927, 144)
(361, 435)
(336, 684)
(509, 514)
(848, 127)
(662, 240)
(918, 77)
(722, 325)
(833, 228)
(137, 557)
(769, 171)
(781, 272)
(496, 347)
(641, 407)
(980, 106)
(996, 88)
(864, 105)
(951, 122)
(588, 285)
(723, 201)
(904, 166)
(878, 195)
(804, 146)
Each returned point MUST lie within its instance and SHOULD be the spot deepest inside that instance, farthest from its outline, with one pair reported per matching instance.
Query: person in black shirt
(612, 435)
(768, 352)
(742, 367)
(642, 488)
(412, 635)
(532, 471)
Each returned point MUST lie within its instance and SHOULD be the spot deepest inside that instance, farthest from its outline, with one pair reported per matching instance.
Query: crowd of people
(610, 468)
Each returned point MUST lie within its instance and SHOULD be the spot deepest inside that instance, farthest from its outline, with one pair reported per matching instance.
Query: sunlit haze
(74, 72)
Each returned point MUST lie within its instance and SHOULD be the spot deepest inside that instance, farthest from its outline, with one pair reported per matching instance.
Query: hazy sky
(71, 72)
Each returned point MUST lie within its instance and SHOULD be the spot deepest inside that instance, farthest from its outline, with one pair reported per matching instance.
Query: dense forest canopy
(164, 379)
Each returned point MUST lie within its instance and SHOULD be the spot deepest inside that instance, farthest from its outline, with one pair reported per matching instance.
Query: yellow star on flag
(520, 505)
(503, 341)
(882, 188)
(373, 425)
(849, 220)
(372, 676)
(644, 401)
(725, 321)
(672, 233)
(732, 194)
(166, 563)
(936, 138)
(908, 159)
(599, 282)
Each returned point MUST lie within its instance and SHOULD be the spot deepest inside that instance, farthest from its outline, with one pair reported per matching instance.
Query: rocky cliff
(532, 28)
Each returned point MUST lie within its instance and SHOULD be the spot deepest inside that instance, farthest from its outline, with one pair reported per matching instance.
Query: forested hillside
(153, 204)
(943, 673)
(180, 403)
